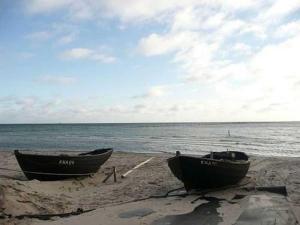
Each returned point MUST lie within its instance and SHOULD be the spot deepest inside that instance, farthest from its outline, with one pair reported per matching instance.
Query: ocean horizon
(259, 138)
(183, 122)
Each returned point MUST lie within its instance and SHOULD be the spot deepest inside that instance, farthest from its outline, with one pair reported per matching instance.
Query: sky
(106, 61)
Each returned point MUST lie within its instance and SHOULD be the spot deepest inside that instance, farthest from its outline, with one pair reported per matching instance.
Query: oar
(137, 166)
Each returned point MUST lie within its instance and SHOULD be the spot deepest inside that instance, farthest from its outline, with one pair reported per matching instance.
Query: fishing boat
(216, 169)
(57, 167)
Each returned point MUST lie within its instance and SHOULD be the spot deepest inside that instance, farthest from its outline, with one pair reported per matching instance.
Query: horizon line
(208, 122)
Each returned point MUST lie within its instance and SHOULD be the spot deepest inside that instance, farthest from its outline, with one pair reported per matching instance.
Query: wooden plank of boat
(57, 167)
(213, 170)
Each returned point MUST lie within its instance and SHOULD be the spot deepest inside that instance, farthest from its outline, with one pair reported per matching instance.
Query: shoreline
(154, 178)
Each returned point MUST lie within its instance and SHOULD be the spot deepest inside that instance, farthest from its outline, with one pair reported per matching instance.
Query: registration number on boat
(208, 163)
(66, 162)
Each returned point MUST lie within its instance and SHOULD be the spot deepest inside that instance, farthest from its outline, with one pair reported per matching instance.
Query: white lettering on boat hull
(209, 163)
(66, 162)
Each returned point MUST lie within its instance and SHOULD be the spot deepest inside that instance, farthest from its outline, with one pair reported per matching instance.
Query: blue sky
(149, 61)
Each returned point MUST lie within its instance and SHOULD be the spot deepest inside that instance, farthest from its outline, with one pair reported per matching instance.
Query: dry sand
(114, 203)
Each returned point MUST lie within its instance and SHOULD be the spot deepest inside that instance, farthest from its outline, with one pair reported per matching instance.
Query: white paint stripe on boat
(57, 174)
(60, 174)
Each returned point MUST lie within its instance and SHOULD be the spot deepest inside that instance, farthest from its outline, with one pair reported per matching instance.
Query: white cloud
(214, 20)
(203, 55)
(60, 80)
(42, 6)
(39, 36)
(155, 91)
(239, 73)
(245, 52)
(88, 54)
(66, 39)
(188, 18)
(279, 9)
(278, 60)
(130, 11)
(288, 30)
(156, 44)
(258, 29)
(242, 48)
(27, 103)
(77, 53)
(81, 9)
(137, 10)
(60, 33)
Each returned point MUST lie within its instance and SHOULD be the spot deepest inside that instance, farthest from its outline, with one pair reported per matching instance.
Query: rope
(45, 216)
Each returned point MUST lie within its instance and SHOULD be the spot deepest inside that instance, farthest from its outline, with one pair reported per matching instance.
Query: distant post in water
(228, 133)
(115, 174)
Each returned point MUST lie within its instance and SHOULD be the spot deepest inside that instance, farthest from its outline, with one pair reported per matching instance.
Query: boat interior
(228, 155)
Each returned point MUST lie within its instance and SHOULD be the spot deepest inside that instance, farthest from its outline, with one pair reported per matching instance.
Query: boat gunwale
(109, 150)
(241, 162)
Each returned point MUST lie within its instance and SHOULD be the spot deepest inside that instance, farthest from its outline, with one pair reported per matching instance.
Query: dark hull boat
(58, 167)
(213, 170)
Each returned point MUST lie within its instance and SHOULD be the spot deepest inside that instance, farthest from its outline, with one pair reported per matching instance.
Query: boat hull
(200, 172)
(58, 167)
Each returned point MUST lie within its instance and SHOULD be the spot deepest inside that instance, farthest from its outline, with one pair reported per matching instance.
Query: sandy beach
(126, 201)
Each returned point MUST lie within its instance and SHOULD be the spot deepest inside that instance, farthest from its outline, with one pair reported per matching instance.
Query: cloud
(242, 48)
(160, 11)
(156, 91)
(77, 53)
(61, 33)
(191, 52)
(129, 11)
(27, 103)
(39, 36)
(140, 108)
(156, 44)
(202, 47)
(88, 54)
(40, 6)
(278, 60)
(66, 39)
(57, 80)
(288, 30)
(240, 57)
(33, 109)
(81, 9)
(279, 9)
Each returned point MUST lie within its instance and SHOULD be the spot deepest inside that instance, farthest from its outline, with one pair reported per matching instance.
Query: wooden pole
(137, 166)
(115, 174)
(107, 177)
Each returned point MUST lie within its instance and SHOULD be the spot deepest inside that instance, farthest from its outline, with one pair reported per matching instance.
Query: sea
(258, 138)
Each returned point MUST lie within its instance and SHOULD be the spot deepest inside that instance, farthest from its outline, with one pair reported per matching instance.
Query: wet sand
(117, 203)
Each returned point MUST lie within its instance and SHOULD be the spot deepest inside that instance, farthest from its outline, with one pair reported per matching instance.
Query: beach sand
(117, 202)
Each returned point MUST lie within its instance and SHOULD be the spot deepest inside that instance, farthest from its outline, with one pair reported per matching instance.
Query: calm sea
(279, 139)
